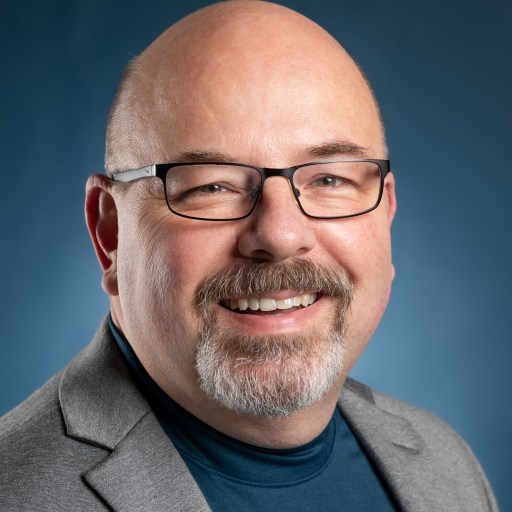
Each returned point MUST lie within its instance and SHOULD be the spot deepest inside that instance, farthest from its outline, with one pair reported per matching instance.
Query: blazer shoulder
(31, 411)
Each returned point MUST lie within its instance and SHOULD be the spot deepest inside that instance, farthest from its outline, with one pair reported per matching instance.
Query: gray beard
(268, 376)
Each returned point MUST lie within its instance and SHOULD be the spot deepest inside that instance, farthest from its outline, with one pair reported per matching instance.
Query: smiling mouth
(269, 304)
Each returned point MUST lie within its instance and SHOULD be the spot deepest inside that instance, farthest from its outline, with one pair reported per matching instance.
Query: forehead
(258, 99)
(276, 117)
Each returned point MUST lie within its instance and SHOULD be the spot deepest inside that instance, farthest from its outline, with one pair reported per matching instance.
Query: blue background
(442, 74)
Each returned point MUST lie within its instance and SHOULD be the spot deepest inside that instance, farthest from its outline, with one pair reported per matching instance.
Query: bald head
(228, 63)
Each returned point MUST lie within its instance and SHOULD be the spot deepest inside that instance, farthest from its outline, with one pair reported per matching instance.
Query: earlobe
(101, 218)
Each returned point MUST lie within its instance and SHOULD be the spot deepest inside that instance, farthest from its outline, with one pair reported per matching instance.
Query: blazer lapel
(400, 455)
(145, 472)
(101, 405)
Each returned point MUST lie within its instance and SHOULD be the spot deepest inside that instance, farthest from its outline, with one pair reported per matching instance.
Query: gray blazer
(88, 441)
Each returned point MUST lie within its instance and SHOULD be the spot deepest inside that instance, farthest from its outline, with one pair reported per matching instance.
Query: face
(165, 262)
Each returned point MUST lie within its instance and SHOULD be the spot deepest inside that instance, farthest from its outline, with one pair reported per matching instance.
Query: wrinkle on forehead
(245, 48)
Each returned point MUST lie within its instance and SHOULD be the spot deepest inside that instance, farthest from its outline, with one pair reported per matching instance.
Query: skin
(263, 97)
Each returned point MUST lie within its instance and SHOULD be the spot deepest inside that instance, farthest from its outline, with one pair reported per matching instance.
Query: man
(247, 271)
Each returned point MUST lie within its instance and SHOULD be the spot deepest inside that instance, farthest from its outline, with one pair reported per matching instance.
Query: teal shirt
(330, 473)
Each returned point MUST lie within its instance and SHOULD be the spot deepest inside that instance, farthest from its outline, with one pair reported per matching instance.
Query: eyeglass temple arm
(135, 174)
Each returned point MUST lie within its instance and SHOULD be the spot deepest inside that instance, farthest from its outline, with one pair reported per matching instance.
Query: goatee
(279, 375)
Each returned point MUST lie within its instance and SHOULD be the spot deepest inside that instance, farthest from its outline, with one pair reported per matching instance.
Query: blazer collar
(97, 387)
(407, 465)
(101, 405)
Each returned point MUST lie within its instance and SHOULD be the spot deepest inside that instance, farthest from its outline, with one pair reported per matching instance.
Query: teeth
(254, 304)
(285, 303)
(269, 304)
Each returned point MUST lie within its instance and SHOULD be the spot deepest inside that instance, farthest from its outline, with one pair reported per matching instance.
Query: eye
(329, 181)
(212, 188)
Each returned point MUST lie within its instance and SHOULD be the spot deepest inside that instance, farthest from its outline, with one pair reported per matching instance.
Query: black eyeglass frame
(161, 170)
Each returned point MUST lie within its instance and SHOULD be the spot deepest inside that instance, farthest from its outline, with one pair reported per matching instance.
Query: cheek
(194, 250)
(362, 246)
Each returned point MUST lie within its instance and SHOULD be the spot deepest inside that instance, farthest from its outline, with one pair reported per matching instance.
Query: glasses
(230, 191)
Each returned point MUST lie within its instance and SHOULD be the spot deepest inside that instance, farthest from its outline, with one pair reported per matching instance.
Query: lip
(282, 322)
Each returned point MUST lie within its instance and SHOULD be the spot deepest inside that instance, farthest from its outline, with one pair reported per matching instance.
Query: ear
(101, 219)
(389, 191)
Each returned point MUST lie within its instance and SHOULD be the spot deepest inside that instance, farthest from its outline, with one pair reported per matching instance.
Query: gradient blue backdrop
(442, 74)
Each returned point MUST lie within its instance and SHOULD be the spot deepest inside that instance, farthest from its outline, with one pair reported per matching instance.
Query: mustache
(262, 278)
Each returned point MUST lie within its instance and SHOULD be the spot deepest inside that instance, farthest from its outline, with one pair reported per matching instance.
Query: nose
(277, 229)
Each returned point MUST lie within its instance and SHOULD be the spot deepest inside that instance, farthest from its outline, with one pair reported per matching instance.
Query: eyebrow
(337, 147)
(326, 150)
(205, 156)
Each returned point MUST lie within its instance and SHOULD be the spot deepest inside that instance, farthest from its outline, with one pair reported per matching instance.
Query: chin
(268, 377)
